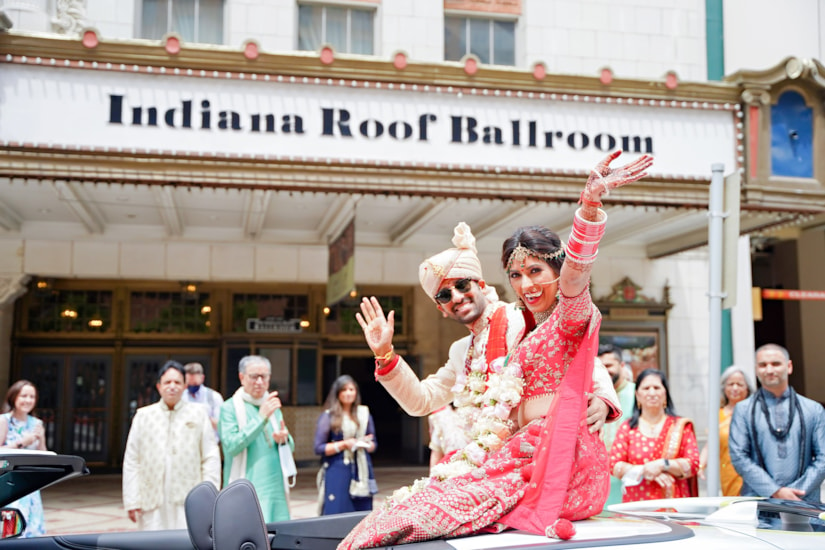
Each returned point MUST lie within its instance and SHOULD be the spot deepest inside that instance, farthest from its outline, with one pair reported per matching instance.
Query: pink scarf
(547, 491)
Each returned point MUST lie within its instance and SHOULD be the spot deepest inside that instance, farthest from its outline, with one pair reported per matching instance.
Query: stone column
(11, 288)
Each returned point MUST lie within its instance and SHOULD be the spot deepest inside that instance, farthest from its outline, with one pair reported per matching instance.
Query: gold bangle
(387, 356)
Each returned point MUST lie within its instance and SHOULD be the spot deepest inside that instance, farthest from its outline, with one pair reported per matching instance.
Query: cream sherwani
(168, 452)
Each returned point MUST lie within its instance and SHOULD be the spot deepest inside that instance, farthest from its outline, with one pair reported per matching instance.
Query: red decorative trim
(753, 137)
(399, 61)
(606, 76)
(327, 55)
(250, 50)
(470, 66)
(539, 71)
(89, 39)
(172, 45)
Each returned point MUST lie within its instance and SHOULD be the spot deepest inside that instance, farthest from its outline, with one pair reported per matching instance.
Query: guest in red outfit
(655, 452)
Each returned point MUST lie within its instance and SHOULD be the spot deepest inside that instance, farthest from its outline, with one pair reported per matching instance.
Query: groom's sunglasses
(446, 294)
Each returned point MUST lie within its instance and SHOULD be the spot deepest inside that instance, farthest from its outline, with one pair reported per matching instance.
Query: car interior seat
(199, 508)
(237, 520)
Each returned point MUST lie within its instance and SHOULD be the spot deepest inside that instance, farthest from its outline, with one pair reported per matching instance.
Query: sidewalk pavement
(93, 503)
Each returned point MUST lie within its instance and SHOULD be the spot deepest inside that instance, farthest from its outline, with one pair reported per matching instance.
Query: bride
(510, 476)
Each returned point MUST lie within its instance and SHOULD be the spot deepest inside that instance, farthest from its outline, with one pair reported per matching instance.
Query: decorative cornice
(152, 56)
(790, 68)
(309, 174)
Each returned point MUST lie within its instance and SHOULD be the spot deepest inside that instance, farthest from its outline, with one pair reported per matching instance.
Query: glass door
(88, 433)
(73, 393)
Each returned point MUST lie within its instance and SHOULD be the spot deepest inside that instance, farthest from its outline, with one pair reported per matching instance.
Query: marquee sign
(340, 120)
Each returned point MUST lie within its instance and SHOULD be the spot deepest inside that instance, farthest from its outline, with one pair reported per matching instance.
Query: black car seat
(199, 508)
(237, 521)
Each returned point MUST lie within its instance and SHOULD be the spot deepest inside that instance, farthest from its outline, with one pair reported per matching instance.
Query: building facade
(174, 174)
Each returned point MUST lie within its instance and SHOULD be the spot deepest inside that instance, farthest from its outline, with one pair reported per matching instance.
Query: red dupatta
(673, 443)
(547, 490)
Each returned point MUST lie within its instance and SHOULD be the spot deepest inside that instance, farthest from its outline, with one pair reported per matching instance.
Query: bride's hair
(537, 239)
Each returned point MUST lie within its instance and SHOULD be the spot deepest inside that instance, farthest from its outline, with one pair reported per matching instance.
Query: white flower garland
(487, 397)
(484, 398)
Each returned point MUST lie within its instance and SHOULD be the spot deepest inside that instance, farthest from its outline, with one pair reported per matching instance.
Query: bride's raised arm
(589, 219)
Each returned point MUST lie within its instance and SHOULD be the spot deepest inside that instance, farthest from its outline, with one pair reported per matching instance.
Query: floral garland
(484, 398)
(487, 396)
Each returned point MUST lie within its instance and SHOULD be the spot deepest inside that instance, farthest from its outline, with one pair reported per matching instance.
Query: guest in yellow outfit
(736, 387)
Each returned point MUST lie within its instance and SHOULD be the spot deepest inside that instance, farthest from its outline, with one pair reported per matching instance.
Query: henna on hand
(603, 179)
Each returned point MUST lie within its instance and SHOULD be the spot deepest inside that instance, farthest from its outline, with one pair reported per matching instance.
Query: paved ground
(93, 503)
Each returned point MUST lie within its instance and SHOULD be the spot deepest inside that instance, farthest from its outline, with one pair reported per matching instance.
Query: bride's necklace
(542, 316)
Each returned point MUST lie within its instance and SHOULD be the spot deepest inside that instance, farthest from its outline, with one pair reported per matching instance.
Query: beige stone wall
(301, 424)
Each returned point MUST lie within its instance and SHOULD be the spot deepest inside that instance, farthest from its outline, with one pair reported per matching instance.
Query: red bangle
(381, 371)
(584, 228)
(588, 202)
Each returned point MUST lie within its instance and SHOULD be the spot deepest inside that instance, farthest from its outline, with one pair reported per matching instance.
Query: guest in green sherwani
(251, 429)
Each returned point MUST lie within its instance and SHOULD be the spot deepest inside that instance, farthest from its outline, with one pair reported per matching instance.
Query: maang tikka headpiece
(521, 253)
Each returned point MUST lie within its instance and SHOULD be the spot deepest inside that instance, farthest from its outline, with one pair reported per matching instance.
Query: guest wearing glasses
(453, 281)
(251, 429)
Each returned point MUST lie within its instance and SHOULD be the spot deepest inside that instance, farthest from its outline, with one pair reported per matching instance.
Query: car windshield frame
(24, 472)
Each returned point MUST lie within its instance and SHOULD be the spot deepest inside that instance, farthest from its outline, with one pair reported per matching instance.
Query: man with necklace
(454, 281)
(777, 437)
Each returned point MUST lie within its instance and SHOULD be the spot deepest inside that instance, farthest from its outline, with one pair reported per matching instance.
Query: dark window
(276, 307)
(492, 40)
(341, 316)
(169, 312)
(194, 20)
(53, 310)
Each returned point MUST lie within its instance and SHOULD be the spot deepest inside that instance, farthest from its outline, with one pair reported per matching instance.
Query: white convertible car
(232, 520)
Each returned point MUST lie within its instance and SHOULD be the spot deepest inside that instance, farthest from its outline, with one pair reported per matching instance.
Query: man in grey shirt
(777, 437)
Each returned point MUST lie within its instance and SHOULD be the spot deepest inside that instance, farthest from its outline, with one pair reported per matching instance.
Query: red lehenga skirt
(550, 469)
(478, 501)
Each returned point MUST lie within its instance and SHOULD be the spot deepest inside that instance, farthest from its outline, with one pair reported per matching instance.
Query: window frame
(169, 3)
(491, 19)
(371, 9)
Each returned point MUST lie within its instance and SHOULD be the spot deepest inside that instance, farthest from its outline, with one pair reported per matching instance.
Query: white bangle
(335, 447)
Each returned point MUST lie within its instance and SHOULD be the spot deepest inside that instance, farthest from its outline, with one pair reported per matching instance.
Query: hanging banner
(342, 265)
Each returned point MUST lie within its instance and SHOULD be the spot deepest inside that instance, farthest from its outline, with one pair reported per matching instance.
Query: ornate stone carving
(70, 16)
(626, 291)
(12, 287)
(752, 96)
